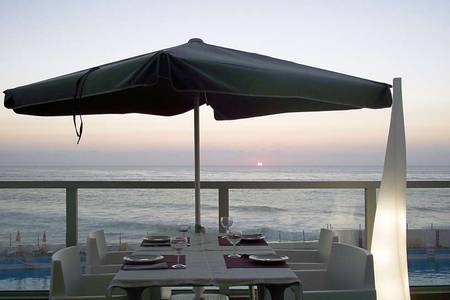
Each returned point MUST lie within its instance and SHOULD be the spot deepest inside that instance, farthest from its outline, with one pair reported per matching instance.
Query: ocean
(130, 214)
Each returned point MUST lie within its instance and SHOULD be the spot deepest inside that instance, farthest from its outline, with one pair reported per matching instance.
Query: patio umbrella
(168, 82)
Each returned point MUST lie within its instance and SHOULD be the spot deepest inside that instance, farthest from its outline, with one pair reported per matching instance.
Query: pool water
(29, 279)
(429, 271)
(34, 273)
(27, 273)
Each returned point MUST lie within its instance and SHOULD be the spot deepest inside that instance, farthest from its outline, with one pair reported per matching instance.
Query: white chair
(204, 297)
(67, 282)
(350, 276)
(305, 259)
(98, 258)
(199, 294)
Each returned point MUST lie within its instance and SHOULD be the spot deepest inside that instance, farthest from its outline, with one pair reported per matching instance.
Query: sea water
(132, 213)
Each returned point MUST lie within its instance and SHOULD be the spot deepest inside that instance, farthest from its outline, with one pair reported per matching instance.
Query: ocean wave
(258, 208)
(426, 208)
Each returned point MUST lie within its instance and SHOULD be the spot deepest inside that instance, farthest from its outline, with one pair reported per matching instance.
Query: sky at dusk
(377, 40)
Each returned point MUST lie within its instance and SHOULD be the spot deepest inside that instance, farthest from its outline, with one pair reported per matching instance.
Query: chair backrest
(350, 267)
(66, 272)
(102, 248)
(92, 256)
(325, 242)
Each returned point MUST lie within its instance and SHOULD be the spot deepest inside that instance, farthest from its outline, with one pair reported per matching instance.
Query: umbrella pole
(198, 226)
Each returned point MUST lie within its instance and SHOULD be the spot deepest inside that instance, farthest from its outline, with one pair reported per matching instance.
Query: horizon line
(214, 165)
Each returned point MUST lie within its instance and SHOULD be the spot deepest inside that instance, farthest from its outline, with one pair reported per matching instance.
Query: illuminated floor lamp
(389, 234)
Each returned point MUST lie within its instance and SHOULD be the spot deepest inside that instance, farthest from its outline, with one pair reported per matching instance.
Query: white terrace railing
(223, 188)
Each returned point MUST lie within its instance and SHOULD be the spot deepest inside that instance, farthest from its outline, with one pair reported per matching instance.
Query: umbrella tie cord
(206, 99)
(77, 101)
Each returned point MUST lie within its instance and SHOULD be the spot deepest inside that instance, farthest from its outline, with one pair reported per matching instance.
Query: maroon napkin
(224, 242)
(244, 262)
(172, 259)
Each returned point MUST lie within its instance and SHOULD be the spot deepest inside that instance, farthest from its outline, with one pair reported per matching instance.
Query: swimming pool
(34, 273)
(27, 273)
(429, 266)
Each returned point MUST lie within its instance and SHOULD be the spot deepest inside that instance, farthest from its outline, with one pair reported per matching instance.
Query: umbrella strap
(77, 100)
(206, 98)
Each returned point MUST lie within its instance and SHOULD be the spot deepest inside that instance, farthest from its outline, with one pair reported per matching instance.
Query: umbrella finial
(195, 40)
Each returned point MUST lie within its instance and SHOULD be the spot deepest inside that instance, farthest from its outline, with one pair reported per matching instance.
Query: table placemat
(224, 242)
(245, 262)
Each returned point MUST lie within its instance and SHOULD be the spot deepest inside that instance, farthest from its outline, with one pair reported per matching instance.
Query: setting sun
(259, 164)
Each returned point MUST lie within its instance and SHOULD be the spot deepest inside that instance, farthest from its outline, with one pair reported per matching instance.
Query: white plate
(268, 258)
(142, 259)
(252, 237)
(157, 238)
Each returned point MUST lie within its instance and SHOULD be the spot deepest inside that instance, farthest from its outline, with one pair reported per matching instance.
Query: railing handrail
(245, 184)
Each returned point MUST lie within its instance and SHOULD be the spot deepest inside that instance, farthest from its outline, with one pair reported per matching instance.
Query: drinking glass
(226, 223)
(184, 228)
(178, 243)
(234, 237)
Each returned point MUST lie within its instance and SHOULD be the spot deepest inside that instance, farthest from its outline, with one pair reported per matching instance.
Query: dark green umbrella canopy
(234, 83)
(172, 81)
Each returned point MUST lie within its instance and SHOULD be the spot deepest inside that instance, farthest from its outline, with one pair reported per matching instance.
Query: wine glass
(234, 237)
(184, 228)
(178, 243)
(226, 223)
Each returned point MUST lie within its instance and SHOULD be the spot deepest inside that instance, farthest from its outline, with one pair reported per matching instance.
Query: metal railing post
(198, 221)
(71, 217)
(224, 205)
(370, 203)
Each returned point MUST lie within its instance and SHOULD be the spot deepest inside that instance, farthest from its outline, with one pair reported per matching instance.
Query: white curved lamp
(389, 234)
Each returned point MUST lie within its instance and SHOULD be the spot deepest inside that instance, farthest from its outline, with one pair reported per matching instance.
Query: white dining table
(205, 266)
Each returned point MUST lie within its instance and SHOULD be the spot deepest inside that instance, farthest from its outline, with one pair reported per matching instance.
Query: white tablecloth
(205, 267)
